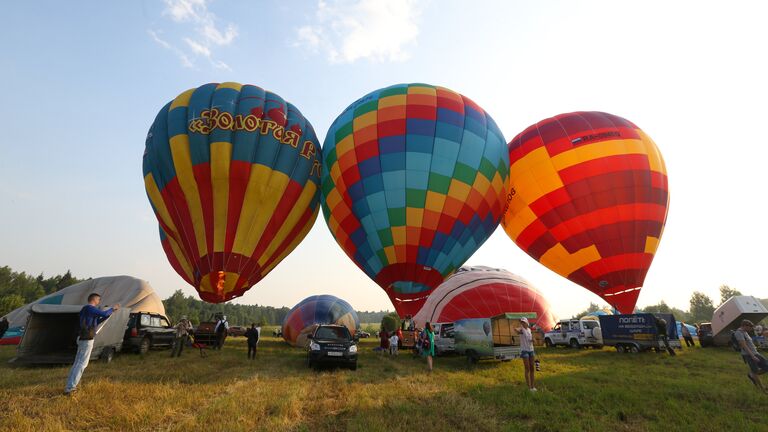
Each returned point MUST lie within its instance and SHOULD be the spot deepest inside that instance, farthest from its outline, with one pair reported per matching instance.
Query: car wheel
(575, 344)
(548, 343)
(309, 362)
(107, 355)
(353, 366)
(144, 345)
(620, 348)
(633, 349)
(471, 357)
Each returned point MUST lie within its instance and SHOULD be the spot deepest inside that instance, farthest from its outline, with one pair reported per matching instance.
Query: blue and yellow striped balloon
(232, 172)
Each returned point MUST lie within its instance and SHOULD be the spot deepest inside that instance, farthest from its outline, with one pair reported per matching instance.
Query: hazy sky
(84, 81)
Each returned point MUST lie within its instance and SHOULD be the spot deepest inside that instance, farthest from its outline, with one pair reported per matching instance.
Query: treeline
(18, 289)
(199, 311)
(371, 317)
(700, 310)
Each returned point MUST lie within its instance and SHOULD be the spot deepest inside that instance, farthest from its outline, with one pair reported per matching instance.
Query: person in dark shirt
(253, 339)
(661, 327)
(90, 318)
(3, 326)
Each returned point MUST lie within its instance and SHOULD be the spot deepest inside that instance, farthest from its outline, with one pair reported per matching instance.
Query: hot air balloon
(233, 173)
(413, 183)
(484, 292)
(588, 199)
(303, 318)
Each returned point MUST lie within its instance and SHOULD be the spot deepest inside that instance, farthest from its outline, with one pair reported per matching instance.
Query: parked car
(363, 334)
(575, 333)
(148, 330)
(236, 331)
(332, 345)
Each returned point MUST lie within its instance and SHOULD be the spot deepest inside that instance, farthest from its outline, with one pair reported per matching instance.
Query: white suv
(575, 333)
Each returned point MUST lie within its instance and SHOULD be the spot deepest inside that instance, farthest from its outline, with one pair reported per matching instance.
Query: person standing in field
(686, 335)
(90, 318)
(527, 353)
(384, 340)
(222, 326)
(758, 364)
(428, 345)
(253, 340)
(393, 344)
(183, 328)
(3, 326)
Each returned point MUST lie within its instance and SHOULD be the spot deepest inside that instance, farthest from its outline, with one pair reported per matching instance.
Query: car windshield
(338, 333)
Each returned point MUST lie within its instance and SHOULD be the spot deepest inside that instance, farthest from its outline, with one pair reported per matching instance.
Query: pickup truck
(575, 333)
(493, 338)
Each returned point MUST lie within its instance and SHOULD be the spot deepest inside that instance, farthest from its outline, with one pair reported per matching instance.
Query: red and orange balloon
(588, 199)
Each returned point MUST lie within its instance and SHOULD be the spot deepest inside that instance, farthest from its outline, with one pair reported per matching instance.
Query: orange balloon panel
(588, 199)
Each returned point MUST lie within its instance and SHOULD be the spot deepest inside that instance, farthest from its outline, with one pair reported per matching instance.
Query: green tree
(593, 307)
(390, 322)
(727, 292)
(10, 302)
(702, 307)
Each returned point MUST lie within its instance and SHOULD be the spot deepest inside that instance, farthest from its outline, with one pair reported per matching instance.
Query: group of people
(424, 343)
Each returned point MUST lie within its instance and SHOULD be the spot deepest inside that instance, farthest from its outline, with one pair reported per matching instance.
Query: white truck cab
(575, 333)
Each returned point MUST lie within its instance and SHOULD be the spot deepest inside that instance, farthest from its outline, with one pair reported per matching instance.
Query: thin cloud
(183, 58)
(347, 31)
(202, 34)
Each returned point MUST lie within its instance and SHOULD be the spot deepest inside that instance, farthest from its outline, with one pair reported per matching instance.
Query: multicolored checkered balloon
(414, 180)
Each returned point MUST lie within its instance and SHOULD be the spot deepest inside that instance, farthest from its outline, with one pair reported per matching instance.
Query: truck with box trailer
(494, 338)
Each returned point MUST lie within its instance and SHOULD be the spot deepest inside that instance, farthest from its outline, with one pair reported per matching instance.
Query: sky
(84, 81)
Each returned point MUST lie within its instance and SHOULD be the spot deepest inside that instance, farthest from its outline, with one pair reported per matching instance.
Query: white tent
(128, 291)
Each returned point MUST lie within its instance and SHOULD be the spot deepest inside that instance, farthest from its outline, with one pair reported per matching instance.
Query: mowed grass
(595, 390)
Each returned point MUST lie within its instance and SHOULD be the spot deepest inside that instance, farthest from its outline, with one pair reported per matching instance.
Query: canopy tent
(128, 291)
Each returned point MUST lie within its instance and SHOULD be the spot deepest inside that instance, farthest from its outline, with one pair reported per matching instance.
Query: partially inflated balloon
(303, 318)
(413, 183)
(588, 199)
(484, 292)
(232, 173)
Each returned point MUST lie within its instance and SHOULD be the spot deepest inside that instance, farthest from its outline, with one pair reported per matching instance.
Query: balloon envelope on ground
(484, 292)
(232, 172)
(588, 199)
(313, 311)
(413, 183)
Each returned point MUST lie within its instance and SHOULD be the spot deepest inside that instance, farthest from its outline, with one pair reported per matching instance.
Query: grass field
(698, 390)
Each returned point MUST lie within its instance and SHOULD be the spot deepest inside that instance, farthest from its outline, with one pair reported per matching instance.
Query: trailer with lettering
(639, 332)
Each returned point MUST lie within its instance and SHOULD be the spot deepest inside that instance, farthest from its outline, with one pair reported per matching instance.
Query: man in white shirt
(393, 344)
